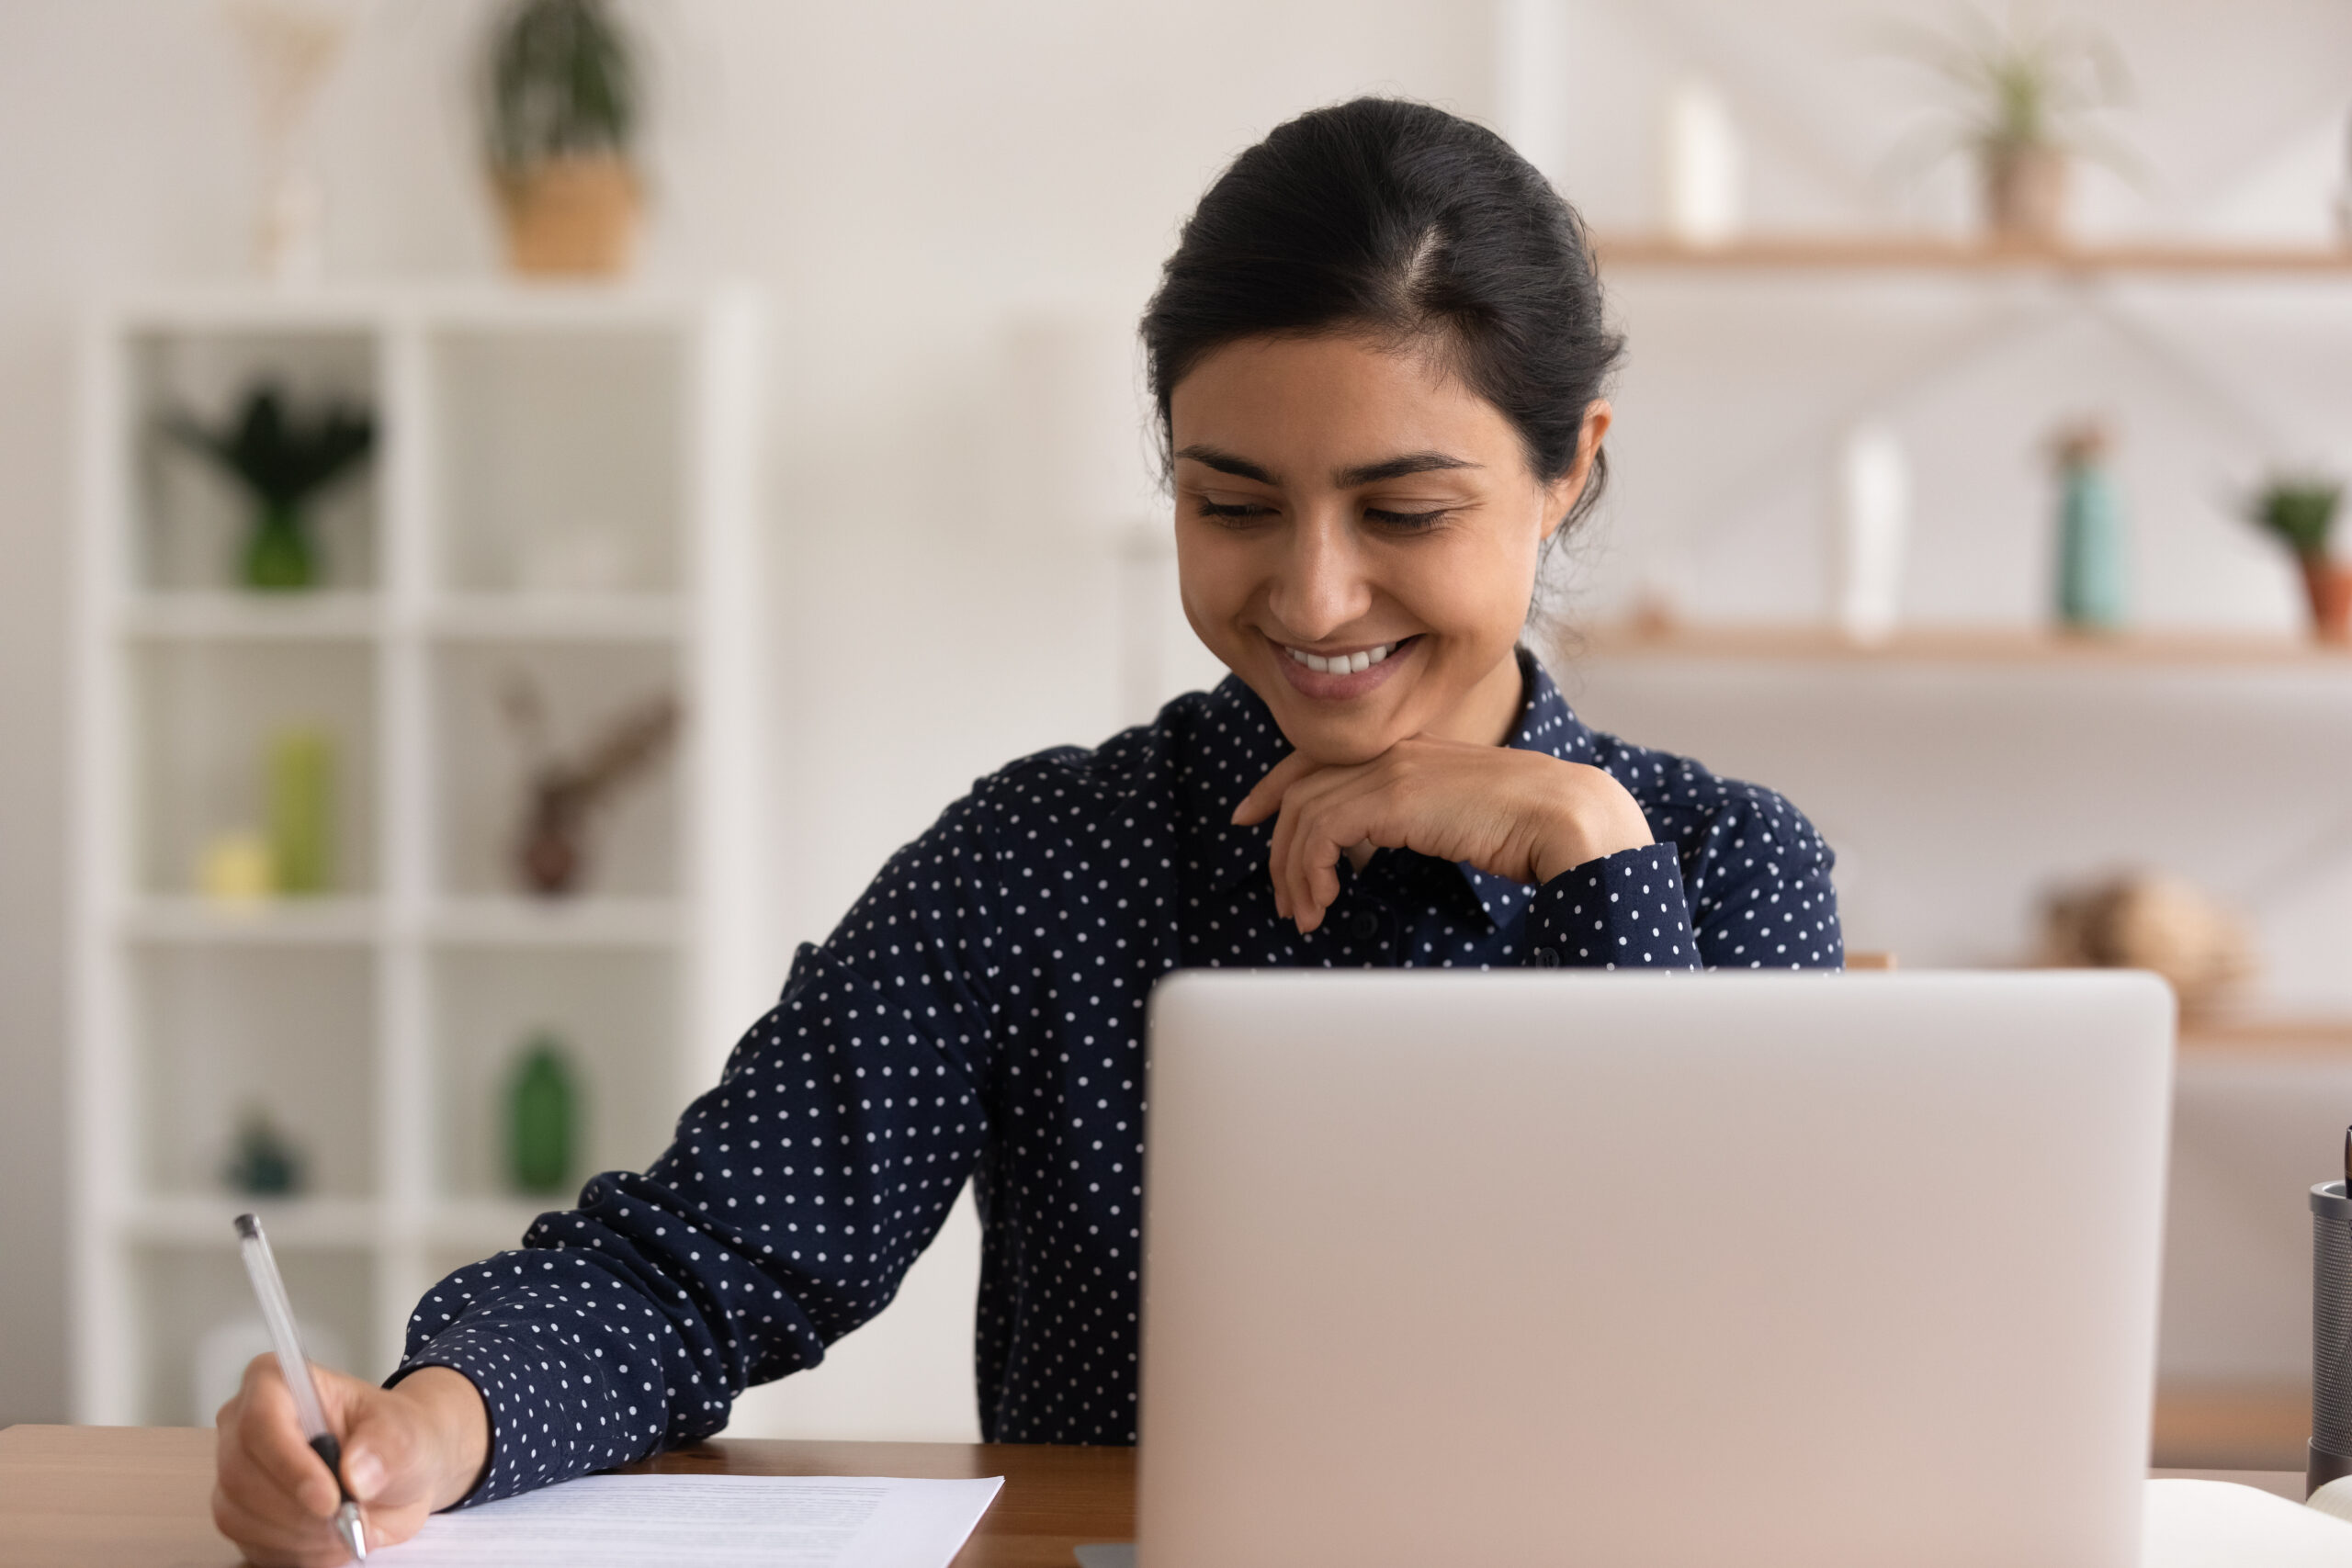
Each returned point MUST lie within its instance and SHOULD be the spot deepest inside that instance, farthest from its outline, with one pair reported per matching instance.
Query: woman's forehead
(1332, 404)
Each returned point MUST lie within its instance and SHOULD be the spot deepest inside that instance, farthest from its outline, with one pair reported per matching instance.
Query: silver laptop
(1786, 1271)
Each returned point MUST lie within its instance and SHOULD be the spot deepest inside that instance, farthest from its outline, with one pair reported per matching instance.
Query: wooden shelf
(190, 616)
(1960, 644)
(1927, 253)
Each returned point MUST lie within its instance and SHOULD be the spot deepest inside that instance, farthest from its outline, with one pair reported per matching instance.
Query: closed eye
(1408, 520)
(1207, 508)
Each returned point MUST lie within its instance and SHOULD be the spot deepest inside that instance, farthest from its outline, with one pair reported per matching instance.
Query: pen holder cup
(2331, 1453)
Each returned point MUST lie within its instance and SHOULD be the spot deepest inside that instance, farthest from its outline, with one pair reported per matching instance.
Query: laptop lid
(1781, 1270)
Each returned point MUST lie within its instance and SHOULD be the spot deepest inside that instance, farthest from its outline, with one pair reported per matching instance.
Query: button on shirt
(979, 1015)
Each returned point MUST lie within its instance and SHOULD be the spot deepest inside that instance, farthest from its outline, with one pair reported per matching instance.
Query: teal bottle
(543, 1119)
(2092, 559)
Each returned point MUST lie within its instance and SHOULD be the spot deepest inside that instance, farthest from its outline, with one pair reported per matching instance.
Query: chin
(1334, 742)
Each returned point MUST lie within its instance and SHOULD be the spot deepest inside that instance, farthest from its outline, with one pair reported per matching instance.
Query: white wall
(915, 182)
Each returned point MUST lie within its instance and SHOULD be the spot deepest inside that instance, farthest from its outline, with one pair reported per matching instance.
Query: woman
(1378, 354)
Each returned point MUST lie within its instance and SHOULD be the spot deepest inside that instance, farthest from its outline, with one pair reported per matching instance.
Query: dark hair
(1407, 224)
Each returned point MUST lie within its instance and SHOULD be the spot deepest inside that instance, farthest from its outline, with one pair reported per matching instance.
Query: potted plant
(284, 460)
(562, 117)
(2300, 512)
(2023, 101)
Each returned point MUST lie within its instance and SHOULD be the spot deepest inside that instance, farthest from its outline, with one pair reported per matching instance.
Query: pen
(296, 1368)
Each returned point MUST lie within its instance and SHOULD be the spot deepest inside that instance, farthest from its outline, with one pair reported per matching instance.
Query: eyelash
(1408, 521)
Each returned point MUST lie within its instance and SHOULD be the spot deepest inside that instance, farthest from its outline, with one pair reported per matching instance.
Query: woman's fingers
(1321, 818)
(1265, 797)
(270, 1541)
(267, 1442)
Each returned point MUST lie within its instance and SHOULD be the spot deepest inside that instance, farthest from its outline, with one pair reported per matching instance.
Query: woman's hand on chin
(1507, 812)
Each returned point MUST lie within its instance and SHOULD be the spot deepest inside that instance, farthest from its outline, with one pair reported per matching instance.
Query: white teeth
(1344, 663)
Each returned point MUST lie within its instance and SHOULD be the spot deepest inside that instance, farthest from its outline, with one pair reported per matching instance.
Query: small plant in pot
(283, 458)
(562, 117)
(2298, 510)
(2022, 100)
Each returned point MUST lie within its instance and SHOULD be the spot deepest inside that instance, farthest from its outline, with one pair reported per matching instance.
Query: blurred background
(512, 514)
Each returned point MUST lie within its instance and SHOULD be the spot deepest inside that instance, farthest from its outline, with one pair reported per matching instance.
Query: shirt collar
(1240, 742)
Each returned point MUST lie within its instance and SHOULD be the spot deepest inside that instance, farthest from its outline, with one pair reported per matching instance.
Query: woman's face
(1357, 536)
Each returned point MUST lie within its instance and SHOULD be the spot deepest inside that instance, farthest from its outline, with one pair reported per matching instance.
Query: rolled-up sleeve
(785, 1214)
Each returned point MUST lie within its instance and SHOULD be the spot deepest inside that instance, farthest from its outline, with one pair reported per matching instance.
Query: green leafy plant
(2300, 510)
(2017, 96)
(284, 459)
(563, 84)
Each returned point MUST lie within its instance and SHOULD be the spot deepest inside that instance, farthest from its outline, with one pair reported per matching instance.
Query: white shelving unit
(561, 487)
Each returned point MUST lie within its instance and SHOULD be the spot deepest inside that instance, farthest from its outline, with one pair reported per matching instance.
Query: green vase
(278, 555)
(542, 1119)
(2091, 562)
(301, 810)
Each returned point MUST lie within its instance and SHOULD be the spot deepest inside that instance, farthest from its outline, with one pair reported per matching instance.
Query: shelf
(289, 1222)
(518, 921)
(2027, 647)
(484, 1225)
(535, 617)
(287, 923)
(1927, 253)
(252, 617)
(2304, 1039)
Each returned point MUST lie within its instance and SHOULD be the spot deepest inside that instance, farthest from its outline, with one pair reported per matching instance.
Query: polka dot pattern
(979, 1015)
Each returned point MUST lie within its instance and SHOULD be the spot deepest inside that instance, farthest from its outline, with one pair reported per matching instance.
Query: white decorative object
(293, 46)
(377, 1019)
(1704, 166)
(1872, 529)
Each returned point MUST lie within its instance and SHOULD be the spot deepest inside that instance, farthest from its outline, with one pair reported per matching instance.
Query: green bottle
(542, 1118)
(301, 810)
(2092, 568)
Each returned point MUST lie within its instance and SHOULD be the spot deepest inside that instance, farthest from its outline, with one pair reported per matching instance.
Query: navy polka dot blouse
(979, 1016)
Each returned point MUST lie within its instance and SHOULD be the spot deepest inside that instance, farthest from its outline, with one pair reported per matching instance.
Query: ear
(1560, 496)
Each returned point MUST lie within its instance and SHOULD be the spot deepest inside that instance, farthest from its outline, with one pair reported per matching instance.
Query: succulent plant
(563, 84)
(2300, 510)
(283, 458)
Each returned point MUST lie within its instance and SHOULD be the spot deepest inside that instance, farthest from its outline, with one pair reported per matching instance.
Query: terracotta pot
(2329, 585)
(2025, 195)
(574, 217)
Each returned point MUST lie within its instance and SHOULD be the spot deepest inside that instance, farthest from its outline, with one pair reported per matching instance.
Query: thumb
(384, 1461)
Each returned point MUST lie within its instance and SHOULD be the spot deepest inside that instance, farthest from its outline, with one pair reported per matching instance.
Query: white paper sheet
(708, 1521)
(2218, 1524)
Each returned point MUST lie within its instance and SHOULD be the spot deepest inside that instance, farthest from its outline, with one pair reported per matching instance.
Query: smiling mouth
(1344, 663)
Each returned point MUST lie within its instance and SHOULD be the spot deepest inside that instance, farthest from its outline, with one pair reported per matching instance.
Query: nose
(1320, 585)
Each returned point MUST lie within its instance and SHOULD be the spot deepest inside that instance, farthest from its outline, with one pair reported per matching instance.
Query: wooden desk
(141, 1496)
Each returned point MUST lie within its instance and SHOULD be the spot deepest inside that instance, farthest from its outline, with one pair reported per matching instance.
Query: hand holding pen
(403, 1452)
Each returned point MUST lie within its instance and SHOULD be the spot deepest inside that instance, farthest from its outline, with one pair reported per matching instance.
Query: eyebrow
(1226, 462)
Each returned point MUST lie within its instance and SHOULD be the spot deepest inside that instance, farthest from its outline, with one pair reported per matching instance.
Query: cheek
(1478, 595)
(1212, 583)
